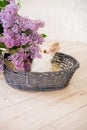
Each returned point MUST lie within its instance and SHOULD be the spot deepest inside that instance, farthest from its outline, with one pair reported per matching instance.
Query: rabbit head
(49, 49)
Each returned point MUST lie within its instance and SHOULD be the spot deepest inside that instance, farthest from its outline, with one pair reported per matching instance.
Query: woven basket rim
(77, 65)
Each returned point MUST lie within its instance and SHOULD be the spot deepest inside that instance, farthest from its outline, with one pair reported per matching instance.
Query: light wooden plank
(75, 121)
(42, 110)
(48, 128)
(81, 73)
(81, 84)
(4, 102)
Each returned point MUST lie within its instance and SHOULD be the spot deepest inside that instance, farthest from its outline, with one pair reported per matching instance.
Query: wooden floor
(54, 110)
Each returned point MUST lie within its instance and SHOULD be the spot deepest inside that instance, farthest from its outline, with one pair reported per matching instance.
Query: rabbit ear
(54, 47)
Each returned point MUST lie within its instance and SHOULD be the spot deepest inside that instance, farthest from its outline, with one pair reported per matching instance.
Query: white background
(66, 20)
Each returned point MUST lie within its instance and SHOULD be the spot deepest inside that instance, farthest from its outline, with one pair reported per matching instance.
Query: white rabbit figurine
(44, 64)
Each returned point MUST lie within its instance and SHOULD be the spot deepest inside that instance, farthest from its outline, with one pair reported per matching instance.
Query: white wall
(66, 20)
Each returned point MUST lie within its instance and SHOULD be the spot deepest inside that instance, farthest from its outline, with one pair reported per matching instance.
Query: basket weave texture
(44, 80)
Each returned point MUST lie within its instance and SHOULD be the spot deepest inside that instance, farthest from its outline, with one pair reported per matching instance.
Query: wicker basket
(45, 80)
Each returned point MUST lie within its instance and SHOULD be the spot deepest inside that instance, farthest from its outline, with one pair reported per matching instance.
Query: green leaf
(19, 2)
(13, 48)
(3, 4)
(27, 32)
(2, 45)
(0, 52)
(24, 46)
(44, 35)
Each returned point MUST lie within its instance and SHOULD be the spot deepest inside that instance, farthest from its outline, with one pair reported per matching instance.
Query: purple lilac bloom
(2, 40)
(25, 23)
(7, 15)
(27, 65)
(15, 28)
(34, 50)
(18, 60)
(20, 32)
(16, 34)
(39, 24)
(35, 37)
(9, 40)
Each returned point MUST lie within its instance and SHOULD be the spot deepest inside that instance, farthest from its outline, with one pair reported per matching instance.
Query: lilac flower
(8, 14)
(35, 37)
(1, 40)
(22, 34)
(39, 24)
(15, 28)
(25, 23)
(27, 65)
(34, 51)
(18, 60)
